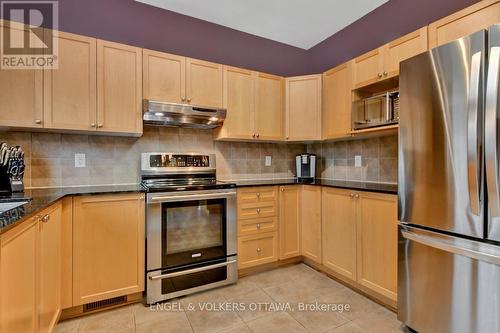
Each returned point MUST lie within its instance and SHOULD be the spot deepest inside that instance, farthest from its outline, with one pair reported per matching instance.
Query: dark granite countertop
(352, 185)
(42, 198)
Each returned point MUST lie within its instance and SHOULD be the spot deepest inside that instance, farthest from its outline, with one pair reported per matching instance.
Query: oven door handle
(191, 271)
(172, 198)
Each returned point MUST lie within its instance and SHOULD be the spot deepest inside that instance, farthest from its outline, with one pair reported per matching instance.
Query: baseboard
(267, 267)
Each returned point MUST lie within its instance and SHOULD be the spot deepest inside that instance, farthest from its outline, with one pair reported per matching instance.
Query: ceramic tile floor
(287, 286)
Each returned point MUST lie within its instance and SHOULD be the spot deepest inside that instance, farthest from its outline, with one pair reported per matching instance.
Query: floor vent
(104, 304)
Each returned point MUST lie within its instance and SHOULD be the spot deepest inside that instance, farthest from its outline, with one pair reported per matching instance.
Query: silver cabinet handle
(385, 73)
(449, 246)
(189, 100)
(356, 195)
(100, 125)
(287, 137)
(191, 271)
(92, 125)
(473, 118)
(351, 195)
(258, 226)
(258, 210)
(38, 121)
(259, 250)
(491, 144)
(282, 189)
(183, 99)
(258, 195)
(258, 136)
(379, 75)
(253, 135)
(173, 198)
(46, 218)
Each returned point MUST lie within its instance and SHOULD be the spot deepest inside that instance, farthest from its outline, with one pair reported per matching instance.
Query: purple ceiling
(134, 23)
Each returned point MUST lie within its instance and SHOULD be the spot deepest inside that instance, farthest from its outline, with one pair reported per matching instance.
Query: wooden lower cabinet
(257, 249)
(311, 222)
(377, 239)
(18, 278)
(339, 231)
(30, 274)
(289, 229)
(108, 246)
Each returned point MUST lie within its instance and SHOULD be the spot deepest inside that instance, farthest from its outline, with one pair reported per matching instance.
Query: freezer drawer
(447, 284)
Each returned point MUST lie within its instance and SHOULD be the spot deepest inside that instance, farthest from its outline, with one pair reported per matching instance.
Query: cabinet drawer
(257, 226)
(257, 210)
(257, 249)
(257, 194)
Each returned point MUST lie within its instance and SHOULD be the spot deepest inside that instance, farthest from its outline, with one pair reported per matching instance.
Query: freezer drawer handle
(491, 144)
(473, 133)
(445, 246)
(191, 271)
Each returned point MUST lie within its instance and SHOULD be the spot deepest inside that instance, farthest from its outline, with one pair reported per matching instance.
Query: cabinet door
(107, 266)
(337, 102)
(50, 268)
(311, 222)
(18, 277)
(367, 68)
(339, 231)
(465, 22)
(164, 76)
(119, 88)
(403, 48)
(303, 108)
(239, 100)
(289, 229)
(21, 94)
(269, 107)
(377, 243)
(203, 83)
(70, 100)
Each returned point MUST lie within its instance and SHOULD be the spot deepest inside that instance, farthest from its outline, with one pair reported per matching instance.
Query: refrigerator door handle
(473, 134)
(491, 144)
(448, 246)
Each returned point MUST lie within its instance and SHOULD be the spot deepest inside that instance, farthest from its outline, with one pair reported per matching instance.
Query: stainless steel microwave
(376, 111)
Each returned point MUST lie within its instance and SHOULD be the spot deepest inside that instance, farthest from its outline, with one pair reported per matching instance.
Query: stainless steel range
(191, 225)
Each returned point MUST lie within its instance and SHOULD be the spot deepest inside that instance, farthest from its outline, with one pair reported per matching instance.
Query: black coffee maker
(11, 169)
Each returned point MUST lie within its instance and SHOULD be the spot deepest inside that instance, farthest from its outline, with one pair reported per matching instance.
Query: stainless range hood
(158, 113)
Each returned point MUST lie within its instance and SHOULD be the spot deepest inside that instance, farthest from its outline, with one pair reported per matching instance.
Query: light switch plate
(268, 160)
(79, 160)
(357, 161)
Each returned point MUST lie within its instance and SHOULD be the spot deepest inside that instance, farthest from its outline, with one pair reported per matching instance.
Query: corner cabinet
(290, 214)
(462, 23)
(30, 274)
(337, 96)
(254, 103)
(303, 108)
(108, 246)
(383, 63)
(119, 88)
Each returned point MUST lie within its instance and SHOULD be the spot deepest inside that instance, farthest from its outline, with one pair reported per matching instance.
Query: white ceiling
(301, 23)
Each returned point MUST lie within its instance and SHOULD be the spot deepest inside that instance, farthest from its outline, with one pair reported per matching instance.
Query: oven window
(193, 231)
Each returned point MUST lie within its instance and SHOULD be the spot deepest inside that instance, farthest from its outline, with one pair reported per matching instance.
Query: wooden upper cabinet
(403, 48)
(204, 83)
(239, 100)
(119, 88)
(462, 23)
(50, 267)
(303, 108)
(368, 68)
(70, 100)
(311, 222)
(377, 243)
(337, 98)
(21, 95)
(18, 279)
(164, 76)
(269, 107)
(105, 266)
(339, 231)
(289, 219)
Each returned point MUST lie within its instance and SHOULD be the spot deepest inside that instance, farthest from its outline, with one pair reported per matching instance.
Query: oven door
(185, 229)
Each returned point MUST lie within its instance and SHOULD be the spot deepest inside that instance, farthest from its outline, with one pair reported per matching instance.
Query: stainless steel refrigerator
(449, 206)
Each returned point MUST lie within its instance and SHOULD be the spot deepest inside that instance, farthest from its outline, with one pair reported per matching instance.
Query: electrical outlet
(357, 161)
(268, 161)
(79, 160)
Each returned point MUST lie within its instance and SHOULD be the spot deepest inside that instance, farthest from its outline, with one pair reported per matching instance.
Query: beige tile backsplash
(116, 160)
(379, 159)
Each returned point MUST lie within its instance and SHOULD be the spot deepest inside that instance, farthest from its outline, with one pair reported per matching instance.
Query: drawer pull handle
(258, 195)
(356, 196)
(258, 210)
(46, 218)
(259, 250)
(258, 226)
